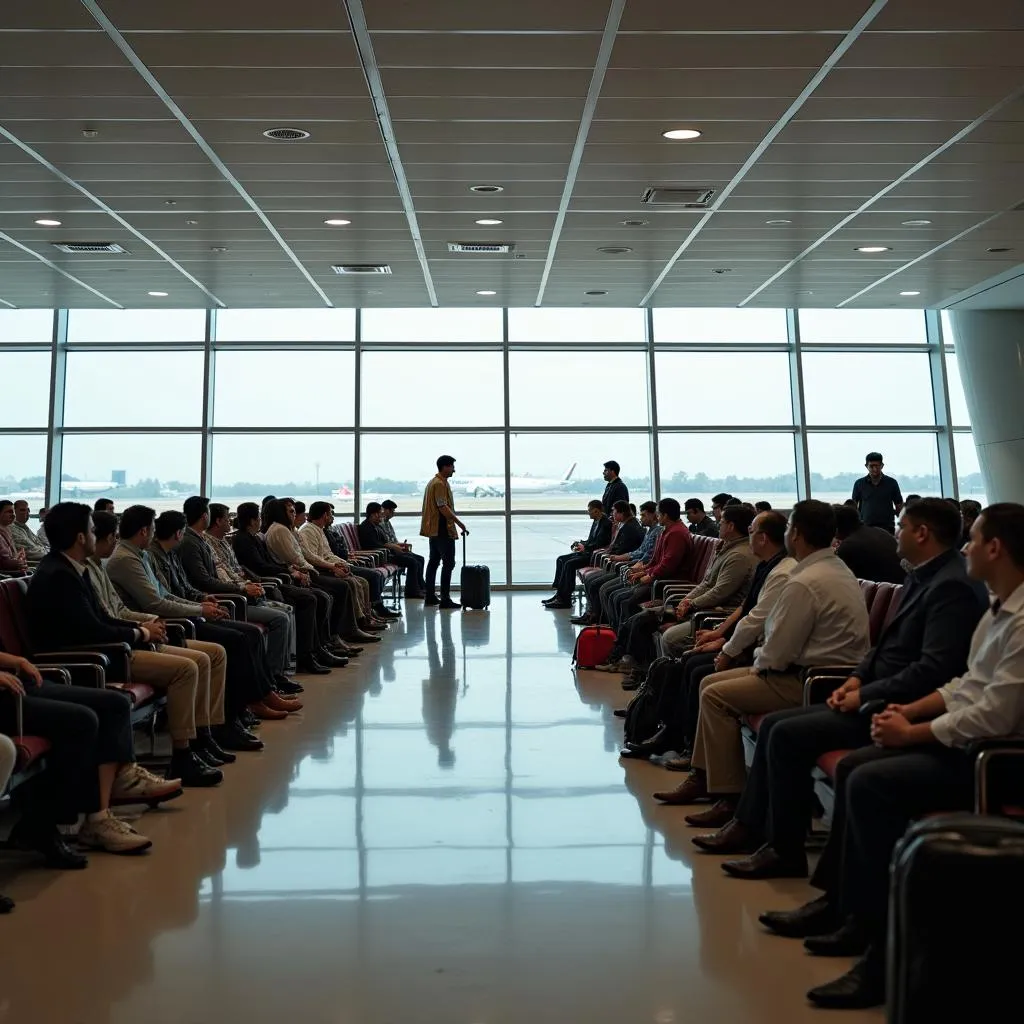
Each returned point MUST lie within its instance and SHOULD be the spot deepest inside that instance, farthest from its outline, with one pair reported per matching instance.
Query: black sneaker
(211, 746)
(235, 737)
(288, 688)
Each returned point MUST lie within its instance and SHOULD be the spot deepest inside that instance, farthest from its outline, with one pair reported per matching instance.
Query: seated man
(103, 505)
(192, 676)
(820, 618)
(731, 643)
(918, 764)
(374, 580)
(133, 571)
(628, 535)
(402, 553)
(566, 566)
(763, 506)
(252, 552)
(22, 535)
(13, 560)
(725, 585)
(718, 502)
(969, 511)
(869, 551)
(633, 562)
(700, 523)
(90, 763)
(41, 532)
(197, 559)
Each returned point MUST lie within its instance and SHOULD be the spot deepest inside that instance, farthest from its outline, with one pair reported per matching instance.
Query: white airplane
(494, 486)
(74, 488)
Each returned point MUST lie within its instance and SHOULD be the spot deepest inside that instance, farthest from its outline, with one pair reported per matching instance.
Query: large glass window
(577, 388)
(435, 326)
(711, 388)
(295, 388)
(23, 467)
(590, 325)
(134, 389)
(862, 327)
(847, 389)
(408, 389)
(720, 326)
(754, 467)
(307, 467)
(25, 399)
(96, 326)
(160, 470)
(837, 460)
(285, 325)
(968, 470)
(19, 326)
(563, 471)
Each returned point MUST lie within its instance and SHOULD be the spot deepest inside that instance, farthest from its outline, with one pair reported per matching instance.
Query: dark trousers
(636, 635)
(883, 796)
(567, 567)
(246, 676)
(679, 705)
(374, 580)
(606, 598)
(303, 601)
(87, 727)
(595, 581)
(343, 619)
(626, 602)
(413, 566)
(442, 553)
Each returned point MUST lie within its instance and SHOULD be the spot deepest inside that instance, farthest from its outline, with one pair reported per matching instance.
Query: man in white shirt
(819, 618)
(22, 535)
(924, 767)
(13, 560)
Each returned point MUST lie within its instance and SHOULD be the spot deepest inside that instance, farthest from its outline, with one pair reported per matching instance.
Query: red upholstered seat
(697, 562)
(30, 749)
(140, 693)
(880, 606)
(827, 762)
(754, 721)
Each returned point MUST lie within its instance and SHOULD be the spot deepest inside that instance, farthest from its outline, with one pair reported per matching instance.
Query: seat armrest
(235, 610)
(55, 674)
(186, 625)
(119, 658)
(85, 669)
(710, 619)
(176, 635)
(819, 683)
(987, 754)
(275, 581)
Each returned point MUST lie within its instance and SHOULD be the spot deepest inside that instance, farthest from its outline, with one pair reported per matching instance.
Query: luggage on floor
(642, 720)
(955, 908)
(593, 645)
(474, 583)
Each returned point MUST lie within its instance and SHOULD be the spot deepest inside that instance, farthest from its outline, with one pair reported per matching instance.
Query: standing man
(877, 496)
(615, 488)
(440, 524)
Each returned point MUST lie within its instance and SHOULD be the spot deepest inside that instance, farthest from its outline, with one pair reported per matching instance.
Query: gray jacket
(728, 577)
(130, 569)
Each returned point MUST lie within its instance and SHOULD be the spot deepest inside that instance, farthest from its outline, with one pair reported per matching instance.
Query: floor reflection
(447, 835)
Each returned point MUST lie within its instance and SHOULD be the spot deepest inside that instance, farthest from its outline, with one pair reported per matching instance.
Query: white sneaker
(112, 835)
(135, 784)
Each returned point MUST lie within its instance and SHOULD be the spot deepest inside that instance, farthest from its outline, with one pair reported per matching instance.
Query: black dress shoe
(862, 987)
(449, 605)
(52, 845)
(247, 720)
(311, 667)
(329, 660)
(6, 904)
(557, 605)
(205, 757)
(733, 837)
(766, 863)
(819, 917)
(288, 688)
(431, 599)
(638, 755)
(193, 770)
(581, 620)
(211, 746)
(850, 939)
(620, 712)
(656, 744)
(234, 737)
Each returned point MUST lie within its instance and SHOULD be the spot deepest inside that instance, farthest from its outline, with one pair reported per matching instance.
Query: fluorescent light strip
(604, 56)
(794, 108)
(1013, 97)
(119, 41)
(371, 72)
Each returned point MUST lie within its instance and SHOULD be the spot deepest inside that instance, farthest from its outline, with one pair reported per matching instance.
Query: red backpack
(593, 645)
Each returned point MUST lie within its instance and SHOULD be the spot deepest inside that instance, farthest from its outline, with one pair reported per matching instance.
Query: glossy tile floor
(446, 835)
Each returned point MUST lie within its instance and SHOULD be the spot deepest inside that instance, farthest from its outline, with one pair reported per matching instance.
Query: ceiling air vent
(286, 134)
(361, 268)
(481, 246)
(89, 247)
(687, 198)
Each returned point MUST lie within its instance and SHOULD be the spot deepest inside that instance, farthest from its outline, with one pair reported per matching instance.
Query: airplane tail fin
(568, 476)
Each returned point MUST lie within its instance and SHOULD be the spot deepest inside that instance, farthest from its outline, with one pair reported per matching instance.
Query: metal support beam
(209, 378)
(55, 429)
(796, 379)
(940, 399)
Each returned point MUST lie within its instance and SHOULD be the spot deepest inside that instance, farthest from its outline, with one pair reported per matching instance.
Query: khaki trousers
(724, 698)
(361, 594)
(192, 678)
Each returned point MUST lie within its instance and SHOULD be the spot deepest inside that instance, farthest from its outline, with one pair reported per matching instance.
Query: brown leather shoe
(279, 703)
(732, 837)
(718, 814)
(266, 713)
(766, 863)
(693, 788)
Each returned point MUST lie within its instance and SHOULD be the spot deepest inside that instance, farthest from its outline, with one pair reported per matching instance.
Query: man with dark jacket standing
(600, 536)
(615, 488)
(924, 645)
(868, 551)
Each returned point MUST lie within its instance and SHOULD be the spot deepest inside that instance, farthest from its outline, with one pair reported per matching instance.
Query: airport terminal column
(990, 352)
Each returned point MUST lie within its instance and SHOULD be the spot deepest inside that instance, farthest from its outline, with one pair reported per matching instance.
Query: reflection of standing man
(440, 692)
(877, 496)
(441, 526)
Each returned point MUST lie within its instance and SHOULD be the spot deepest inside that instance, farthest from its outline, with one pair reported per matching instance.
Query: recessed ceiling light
(192, 223)
(158, 295)
(915, 223)
(89, 133)
(634, 223)
(615, 250)
(722, 270)
(678, 134)
(286, 134)
(596, 291)
(487, 188)
(999, 248)
(909, 294)
(873, 248)
(486, 291)
(337, 222)
(218, 248)
(489, 222)
(47, 222)
(780, 221)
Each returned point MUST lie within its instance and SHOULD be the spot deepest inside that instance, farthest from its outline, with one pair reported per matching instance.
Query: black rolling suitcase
(955, 907)
(475, 583)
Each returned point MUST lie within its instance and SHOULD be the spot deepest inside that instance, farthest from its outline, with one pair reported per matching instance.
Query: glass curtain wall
(356, 405)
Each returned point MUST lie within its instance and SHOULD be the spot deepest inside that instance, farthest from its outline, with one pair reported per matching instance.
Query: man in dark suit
(869, 551)
(924, 646)
(600, 536)
(615, 487)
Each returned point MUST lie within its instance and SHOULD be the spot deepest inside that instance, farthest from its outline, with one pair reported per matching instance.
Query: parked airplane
(78, 488)
(494, 486)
